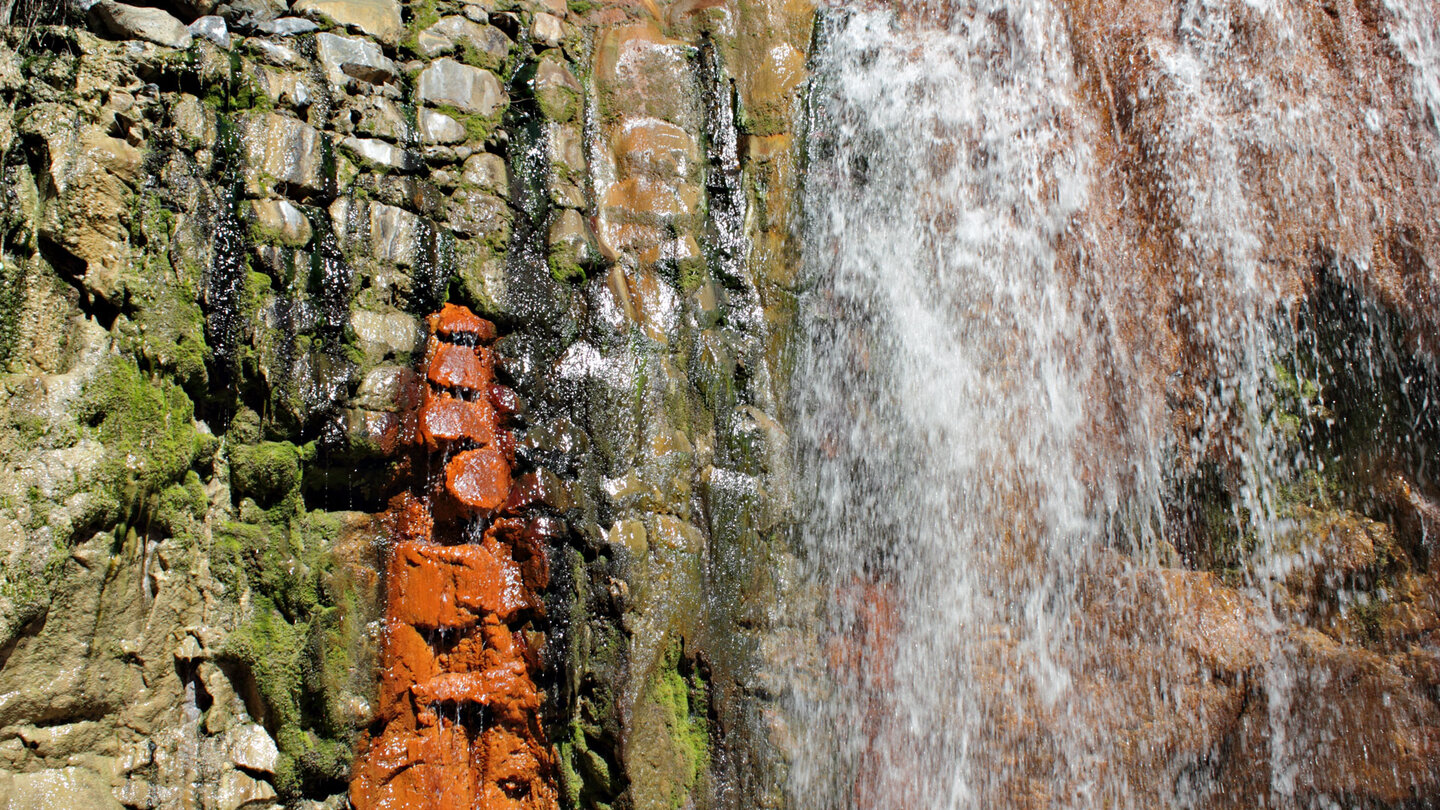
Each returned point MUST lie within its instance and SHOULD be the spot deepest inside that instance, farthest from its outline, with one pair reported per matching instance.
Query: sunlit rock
(150, 24)
(352, 57)
(377, 18)
(468, 89)
(282, 153)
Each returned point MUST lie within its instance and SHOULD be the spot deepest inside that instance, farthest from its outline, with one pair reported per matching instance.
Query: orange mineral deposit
(457, 725)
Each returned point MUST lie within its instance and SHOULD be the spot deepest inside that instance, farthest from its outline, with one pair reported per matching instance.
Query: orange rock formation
(458, 714)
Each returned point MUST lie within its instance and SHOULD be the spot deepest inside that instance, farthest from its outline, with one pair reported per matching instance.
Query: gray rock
(196, 122)
(437, 127)
(377, 18)
(345, 58)
(475, 213)
(275, 54)
(253, 749)
(252, 13)
(382, 155)
(149, 24)
(573, 248)
(466, 88)
(381, 334)
(287, 27)
(385, 386)
(567, 151)
(374, 117)
(546, 29)
(212, 28)
(395, 235)
(485, 44)
(488, 172)
(284, 151)
(557, 91)
(279, 221)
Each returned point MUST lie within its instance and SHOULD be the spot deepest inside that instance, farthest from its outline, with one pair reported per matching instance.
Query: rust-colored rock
(453, 366)
(445, 419)
(458, 716)
(479, 479)
(457, 323)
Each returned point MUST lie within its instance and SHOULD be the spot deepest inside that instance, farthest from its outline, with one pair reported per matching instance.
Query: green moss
(269, 647)
(684, 703)
(165, 324)
(266, 471)
(478, 128)
(303, 643)
(147, 427)
(423, 14)
(564, 268)
(180, 506)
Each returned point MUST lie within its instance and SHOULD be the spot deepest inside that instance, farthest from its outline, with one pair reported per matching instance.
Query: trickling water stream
(996, 461)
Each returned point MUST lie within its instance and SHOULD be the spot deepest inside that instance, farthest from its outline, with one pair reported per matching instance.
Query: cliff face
(221, 578)
(224, 225)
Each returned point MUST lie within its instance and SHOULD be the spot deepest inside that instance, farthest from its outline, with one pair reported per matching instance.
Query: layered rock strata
(458, 714)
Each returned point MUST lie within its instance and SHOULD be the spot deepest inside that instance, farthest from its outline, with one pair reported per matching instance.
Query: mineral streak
(458, 723)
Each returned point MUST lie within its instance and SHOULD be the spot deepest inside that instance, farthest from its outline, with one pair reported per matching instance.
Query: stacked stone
(458, 704)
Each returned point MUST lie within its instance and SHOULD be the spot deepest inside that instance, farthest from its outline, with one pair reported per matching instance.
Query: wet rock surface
(225, 224)
(221, 249)
(458, 722)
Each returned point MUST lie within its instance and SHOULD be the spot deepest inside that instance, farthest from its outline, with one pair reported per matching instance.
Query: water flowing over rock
(1065, 369)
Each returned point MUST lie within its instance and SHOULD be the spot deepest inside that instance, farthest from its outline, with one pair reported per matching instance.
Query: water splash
(993, 472)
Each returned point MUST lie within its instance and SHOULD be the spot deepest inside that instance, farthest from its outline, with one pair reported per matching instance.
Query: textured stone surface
(281, 221)
(150, 24)
(352, 57)
(478, 594)
(468, 89)
(284, 152)
(437, 127)
(376, 18)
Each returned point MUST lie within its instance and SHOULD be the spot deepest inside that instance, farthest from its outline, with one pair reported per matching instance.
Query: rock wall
(224, 225)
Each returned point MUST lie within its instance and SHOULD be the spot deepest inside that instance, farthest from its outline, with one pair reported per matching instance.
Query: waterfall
(1000, 426)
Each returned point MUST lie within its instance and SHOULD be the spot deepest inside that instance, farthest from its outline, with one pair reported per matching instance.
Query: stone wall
(223, 225)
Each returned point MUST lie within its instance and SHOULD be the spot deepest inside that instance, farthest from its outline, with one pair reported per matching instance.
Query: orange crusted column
(458, 718)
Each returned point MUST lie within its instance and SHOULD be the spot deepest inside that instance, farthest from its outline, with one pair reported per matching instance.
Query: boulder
(395, 235)
(546, 29)
(280, 150)
(213, 28)
(487, 171)
(381, 334)
(572, 245)
(468, 89)
(437, 127)
(238, 789)
(287, 27)
(376, 18)
(557, 91)
(373, 117)
(253, 749)
(345, 58)
(150, 24)
(381, 155)
(475, 213)
(279, 221)
(483, 46)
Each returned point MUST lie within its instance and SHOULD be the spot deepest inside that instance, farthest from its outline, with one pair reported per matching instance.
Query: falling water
(991, 469)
